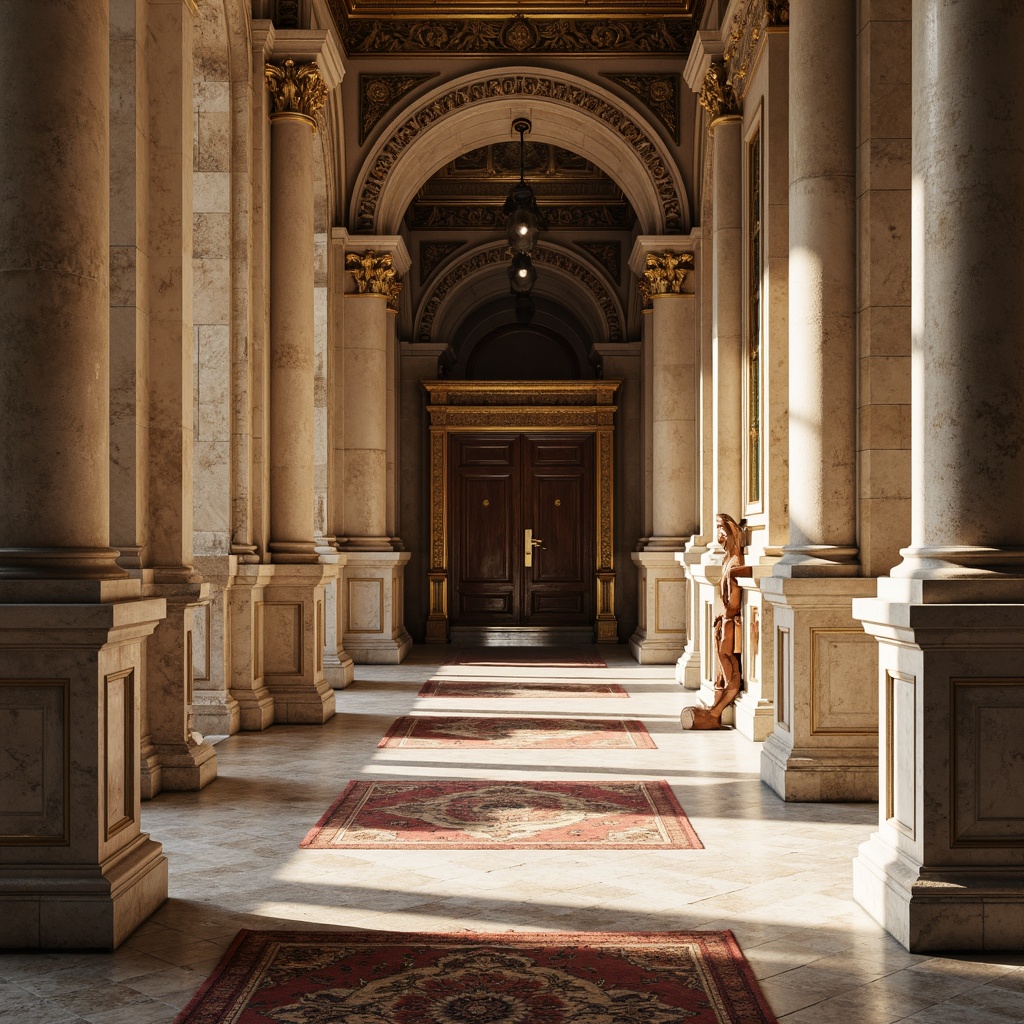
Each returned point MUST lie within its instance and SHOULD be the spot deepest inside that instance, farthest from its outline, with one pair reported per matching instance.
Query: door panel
(485, 518)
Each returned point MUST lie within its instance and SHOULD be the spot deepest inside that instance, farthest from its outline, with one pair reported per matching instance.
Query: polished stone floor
(778, 875)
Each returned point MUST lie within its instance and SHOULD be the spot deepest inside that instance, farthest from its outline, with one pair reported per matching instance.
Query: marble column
(943, 871)
(824, 744)
(174, 754)
(661, 629)
(368, 271)
(76, 871)
(291, 617)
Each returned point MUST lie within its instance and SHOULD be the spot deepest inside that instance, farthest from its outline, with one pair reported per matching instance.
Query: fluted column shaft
(822, 289)
(54, 291)
(727, 314)
(967, 318)
(291, 339)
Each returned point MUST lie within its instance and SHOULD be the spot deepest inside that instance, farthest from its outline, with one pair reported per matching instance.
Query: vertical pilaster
(75, 869)
(943, 869)
(672, 367)
(823, 746)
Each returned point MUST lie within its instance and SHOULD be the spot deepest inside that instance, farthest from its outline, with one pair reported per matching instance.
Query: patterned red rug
(516, 688)
(481, 815)
(530, 657)
(281, 977)
(554, 733)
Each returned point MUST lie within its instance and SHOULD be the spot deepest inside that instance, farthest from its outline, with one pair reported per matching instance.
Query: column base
(824, 746)
(754, 717)
(84, 906)
(931, 911)
(688, 665)
(374, 630)
(255, 710)
(661, 633)
(339, 672)
(216, 714)
(245, 599)
(184, 767)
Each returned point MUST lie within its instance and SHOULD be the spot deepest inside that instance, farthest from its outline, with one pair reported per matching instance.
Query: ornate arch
(494, 254)
(563, 107)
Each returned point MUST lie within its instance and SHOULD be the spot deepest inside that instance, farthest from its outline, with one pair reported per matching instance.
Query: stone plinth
(688, 665)
(754, 709)
(214, 710)
(248, 687)
(339, 669)
(943, 871)
(661, 609)
(825, 742)
(76, 871)
(373, 620)
(292, 625)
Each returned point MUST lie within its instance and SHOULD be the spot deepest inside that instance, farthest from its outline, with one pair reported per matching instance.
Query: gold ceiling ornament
(660, 94)
(664, 274)
(394, 290)
(296, 90)
(717, 96)
(374, 273)
(747, 34)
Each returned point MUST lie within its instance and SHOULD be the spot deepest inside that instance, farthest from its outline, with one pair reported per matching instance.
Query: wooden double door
(522, 540)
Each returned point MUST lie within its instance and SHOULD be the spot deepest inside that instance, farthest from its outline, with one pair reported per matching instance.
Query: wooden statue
(728, 633)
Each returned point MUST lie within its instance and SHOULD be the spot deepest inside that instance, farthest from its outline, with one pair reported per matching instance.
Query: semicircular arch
(565, 111)
(481, 274)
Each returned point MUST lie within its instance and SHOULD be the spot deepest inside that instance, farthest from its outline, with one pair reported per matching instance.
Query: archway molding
(478, 109)
(481, 274)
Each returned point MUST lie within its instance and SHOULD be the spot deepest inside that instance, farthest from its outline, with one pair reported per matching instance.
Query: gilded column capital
(717, 96)
(374, 274)
(664, 274)
(296, 90)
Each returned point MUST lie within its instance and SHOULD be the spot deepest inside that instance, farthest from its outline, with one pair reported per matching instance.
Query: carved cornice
(296, 90)
(717, 96)
(659, 93)
(366, 37)
(499, 253)
(509, 87)
(379, 93)
(664, 274)
(747, 31)
(473, 215)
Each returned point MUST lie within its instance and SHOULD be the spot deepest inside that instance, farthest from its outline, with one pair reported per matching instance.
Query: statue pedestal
(825, 742)
(661, 608)
(943, 871)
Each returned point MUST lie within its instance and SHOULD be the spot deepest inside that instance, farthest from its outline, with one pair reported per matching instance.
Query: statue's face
(722, 534)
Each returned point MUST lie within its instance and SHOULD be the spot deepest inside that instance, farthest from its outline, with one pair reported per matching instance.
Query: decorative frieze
(379, 93)
(747, 31)
(509, 87)
(659, 93)
(608, 255)
(664, 274)
(296, 90)
(433, 254)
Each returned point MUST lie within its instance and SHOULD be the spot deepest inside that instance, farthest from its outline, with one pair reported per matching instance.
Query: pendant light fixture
(525, 223)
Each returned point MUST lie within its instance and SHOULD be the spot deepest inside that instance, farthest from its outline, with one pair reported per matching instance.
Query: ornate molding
(717, 96)
(379, 93)
(512, 86)
(433, 254)
(499, 253)
(664, 274)
(659, 93)
(485, 36)
(747, 31)
(608, 255)
(296, 90)
(444, 216)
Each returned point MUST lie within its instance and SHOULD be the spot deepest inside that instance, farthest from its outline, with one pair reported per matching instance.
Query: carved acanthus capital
(717, 96)
(374, 274)
(296, 89)
(664, 274)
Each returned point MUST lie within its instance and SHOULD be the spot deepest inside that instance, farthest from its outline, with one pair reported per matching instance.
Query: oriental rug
(514, 688)
(502, 815)
(530, 657)
(286, 977)
(552, 733)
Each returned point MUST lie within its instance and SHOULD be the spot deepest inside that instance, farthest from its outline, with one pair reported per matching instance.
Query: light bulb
(522, 273)
(523, 229)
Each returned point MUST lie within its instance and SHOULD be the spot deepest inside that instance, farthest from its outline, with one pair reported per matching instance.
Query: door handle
(528, 547)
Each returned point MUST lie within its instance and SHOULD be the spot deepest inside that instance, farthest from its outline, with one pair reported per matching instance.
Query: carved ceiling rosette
(664, 274)
(296, 90)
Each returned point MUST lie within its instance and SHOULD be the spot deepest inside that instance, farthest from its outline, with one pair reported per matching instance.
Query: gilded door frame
(526, 406)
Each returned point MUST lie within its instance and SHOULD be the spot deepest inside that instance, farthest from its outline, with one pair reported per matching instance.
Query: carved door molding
(528, 407)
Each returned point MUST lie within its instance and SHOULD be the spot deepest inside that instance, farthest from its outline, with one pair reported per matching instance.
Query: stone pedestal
(248, 688)
(374, 630)
(214, 710)
(292, 624)
(943, 871)
(76, 872)
(339, 669)
(688, 665)
(754, 710)
(825, 743)
(661, 608)
(176, 755)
